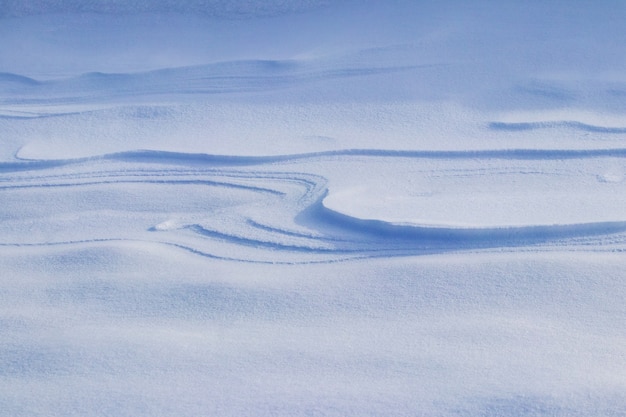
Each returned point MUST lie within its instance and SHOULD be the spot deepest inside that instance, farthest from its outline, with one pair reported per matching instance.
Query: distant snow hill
(224, 77)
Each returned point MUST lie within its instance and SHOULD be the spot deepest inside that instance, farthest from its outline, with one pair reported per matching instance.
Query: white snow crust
(312, 208)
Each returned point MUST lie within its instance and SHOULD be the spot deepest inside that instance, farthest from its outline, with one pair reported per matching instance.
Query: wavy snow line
(330, 235)
(230, 160)
(164, 182)
(182, 158)
(522, 126)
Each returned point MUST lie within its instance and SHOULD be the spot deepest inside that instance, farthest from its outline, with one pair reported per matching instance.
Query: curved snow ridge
(151, 156)
(256, 209)
(460, 237)
(26, 165)
(208, 183)
(314, 245)
(156, 156)
(522, 126)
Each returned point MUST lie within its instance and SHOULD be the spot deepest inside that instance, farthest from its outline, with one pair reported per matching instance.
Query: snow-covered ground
(312, 208)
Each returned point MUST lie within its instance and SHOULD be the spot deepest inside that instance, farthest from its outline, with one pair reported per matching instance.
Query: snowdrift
(298, 208)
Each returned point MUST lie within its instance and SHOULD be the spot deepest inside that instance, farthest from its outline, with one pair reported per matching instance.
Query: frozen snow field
(312, 208)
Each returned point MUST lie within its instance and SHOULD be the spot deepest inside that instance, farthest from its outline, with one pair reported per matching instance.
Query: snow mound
(312, 208)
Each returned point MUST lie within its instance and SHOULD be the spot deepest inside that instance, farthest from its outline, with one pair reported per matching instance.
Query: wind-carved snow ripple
(250, 209)
(585, 127)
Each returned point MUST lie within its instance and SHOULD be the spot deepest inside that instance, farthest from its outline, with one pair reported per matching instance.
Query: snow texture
(312, 208)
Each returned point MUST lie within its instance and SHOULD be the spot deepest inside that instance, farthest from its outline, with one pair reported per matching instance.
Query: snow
(352, 208)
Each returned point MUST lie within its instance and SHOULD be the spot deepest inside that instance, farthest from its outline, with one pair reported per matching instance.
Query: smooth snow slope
(302, 208)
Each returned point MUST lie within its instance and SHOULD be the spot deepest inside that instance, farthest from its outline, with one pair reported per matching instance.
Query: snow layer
(353, 208)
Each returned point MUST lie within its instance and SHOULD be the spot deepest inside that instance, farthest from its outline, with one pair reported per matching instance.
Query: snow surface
(312, 208)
